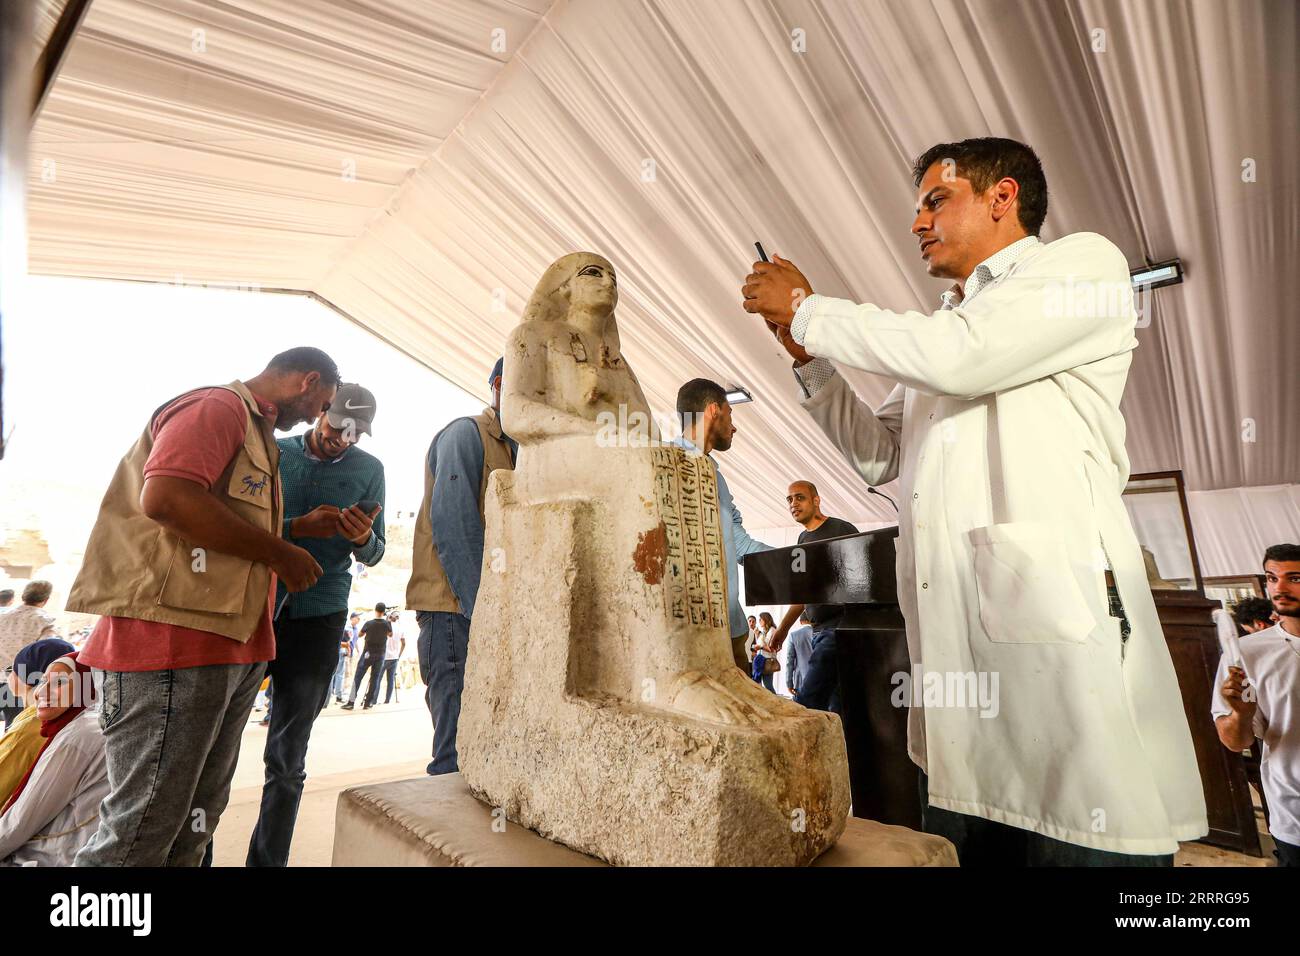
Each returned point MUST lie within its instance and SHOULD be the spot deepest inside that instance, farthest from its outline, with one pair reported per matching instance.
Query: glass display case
(1157, 506)
(1233, 588)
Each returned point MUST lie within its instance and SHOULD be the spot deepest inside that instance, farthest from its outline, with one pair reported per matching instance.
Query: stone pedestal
(436, 821)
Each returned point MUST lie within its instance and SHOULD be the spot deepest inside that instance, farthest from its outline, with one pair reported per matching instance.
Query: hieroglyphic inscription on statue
(674, 567)
(714, 568)
(695, 582)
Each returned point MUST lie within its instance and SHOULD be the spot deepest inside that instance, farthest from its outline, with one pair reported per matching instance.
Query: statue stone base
(601, 706)
(435, 821)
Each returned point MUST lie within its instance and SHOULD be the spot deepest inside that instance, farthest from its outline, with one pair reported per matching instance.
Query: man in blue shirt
(705, 416)
(447, 559)
(325, 479)
(347, 648)
(796, 660)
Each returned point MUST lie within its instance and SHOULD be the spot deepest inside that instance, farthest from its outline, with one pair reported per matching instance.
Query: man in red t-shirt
(176, 698)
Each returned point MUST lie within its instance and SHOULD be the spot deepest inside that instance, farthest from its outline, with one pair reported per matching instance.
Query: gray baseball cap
(354, 404)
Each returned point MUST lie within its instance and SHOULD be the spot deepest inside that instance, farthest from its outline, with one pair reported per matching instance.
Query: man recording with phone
(1005, 433)
(333, 508)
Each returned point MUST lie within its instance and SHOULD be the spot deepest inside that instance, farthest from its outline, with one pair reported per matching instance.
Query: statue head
(579, 288)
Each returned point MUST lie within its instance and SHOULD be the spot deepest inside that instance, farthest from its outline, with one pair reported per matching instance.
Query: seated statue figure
(602, 706)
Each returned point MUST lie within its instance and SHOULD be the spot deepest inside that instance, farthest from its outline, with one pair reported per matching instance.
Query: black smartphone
(763, 255)
(367, 505)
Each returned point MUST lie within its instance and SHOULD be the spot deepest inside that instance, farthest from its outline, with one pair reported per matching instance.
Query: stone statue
(602, 706)
(567, 362)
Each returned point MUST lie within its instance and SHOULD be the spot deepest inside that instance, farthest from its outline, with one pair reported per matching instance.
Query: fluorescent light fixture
(738, 396)
(1158, 274)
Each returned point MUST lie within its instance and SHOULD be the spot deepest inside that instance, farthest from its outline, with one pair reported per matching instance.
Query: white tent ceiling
(475, 168)
(255, 151)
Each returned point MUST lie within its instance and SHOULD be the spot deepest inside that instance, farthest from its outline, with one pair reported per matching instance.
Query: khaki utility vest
(429, 589)
(136, 568)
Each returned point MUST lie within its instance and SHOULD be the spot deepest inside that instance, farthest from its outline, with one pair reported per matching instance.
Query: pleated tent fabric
(246, 142)
(419, 164)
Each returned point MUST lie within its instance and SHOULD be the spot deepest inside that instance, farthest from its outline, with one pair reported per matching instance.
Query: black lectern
(858, 572)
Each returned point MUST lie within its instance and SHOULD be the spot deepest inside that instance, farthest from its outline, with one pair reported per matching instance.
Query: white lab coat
(1006, 435)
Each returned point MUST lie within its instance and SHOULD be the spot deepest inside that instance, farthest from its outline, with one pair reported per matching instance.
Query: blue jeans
(390, 679)
(306, 663)
(374, 663)
(443, 646)
(171, 742)
(336, 685)
(757, 671)
(819, 681)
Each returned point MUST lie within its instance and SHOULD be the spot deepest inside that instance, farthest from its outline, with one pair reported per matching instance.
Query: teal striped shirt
(308, 482)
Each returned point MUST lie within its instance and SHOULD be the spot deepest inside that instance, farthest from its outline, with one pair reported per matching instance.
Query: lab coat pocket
(1028, 593)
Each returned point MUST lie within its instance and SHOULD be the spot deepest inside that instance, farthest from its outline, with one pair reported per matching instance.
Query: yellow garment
(19, 748)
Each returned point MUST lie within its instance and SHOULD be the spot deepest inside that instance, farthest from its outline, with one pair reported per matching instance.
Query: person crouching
(54, 810)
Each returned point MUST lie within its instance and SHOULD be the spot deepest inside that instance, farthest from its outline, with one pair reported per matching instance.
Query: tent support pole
(16, 27)
(51, 58)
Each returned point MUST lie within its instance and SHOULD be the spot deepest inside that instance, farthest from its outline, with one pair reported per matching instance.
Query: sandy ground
(348, 748)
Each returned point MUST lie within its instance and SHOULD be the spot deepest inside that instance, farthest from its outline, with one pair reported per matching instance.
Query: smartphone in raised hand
(762, 254)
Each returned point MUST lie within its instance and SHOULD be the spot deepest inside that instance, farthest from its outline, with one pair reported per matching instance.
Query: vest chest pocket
(251, 482)
(1027, 590)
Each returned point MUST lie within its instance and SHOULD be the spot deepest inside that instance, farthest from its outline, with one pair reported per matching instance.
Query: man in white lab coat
(1005, 433)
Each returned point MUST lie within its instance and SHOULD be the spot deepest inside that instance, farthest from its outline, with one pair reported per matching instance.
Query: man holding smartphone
(333, 508)
(1005, 433)
(180, 566)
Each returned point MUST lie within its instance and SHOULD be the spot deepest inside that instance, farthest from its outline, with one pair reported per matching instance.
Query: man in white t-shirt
(1261, 698)
(393, 652)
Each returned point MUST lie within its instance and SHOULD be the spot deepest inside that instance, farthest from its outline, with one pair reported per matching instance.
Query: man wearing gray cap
(448, 557)
(333, 503)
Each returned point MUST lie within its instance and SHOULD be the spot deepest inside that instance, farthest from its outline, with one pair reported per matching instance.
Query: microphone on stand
(873, 491)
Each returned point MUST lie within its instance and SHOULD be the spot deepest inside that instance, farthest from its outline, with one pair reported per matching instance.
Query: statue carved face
(594, 289)
(581, 283)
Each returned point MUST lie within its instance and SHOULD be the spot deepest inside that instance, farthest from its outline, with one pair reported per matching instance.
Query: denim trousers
(374, 665)
(987, 843)
(390, 679)
(336, 685)
(443, 646)
(819, 681)
(171, 741)
(305, 664)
